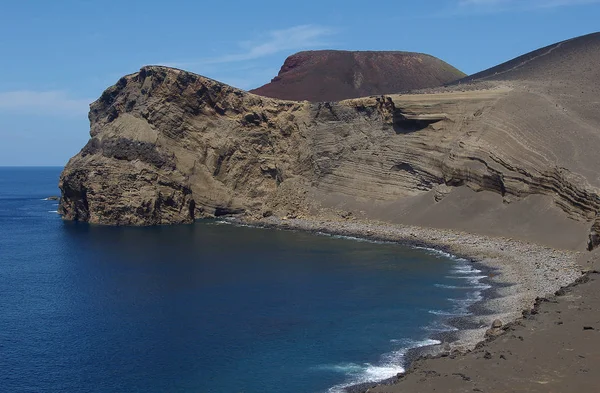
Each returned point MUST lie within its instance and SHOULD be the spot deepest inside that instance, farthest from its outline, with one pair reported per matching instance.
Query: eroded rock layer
(497, 157)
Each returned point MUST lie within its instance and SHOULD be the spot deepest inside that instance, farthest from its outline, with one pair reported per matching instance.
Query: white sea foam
(441, 253)
(391, 365)
(237, 224)
(379, 373)
(246, 226)
(465, 270)
(475, 280)
(410, 344)
(473, 277)
(427, 342)
(440, 327)
(482, 286)
(353, 238)
(452, 313)
(468, 278)
(368, 373)
(468, 301)
(53, 211)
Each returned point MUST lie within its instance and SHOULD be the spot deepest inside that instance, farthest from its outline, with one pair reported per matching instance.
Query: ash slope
(557, 61)
(513, 157)
(332, 75)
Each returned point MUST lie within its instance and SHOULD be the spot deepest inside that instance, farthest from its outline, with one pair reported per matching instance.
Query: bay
(209, 307)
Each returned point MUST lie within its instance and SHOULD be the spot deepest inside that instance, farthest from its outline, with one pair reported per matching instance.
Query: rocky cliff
(334, 75)
(500, 157)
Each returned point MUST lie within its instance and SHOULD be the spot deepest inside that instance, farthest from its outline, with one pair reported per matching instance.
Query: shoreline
(447, 338)
(518, 273)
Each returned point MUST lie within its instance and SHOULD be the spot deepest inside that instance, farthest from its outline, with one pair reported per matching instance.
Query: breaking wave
(391, 364)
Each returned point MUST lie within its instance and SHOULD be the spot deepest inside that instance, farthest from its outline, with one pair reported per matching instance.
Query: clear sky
(58, 56)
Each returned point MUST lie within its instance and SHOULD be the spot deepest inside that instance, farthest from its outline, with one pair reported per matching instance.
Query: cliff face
(168, 146)
(499, 158)
(333, 75)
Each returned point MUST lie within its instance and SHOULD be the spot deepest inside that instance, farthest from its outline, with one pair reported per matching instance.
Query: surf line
(392, 363)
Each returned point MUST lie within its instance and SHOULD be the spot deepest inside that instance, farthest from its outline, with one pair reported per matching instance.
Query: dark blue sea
(209, 307)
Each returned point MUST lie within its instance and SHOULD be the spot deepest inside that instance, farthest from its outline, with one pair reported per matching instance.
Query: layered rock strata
(168, 146)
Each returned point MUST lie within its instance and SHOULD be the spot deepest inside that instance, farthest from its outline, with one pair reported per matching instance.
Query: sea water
(209, 307)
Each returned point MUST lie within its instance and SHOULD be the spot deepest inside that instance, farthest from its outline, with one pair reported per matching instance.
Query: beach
(521, 274)
(553, 348)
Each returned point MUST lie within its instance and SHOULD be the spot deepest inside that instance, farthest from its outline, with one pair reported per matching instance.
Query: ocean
(210, 307)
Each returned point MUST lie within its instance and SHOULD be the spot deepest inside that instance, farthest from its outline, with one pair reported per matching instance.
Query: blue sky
(58, 56)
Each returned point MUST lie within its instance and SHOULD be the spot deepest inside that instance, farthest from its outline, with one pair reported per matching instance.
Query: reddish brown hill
(331, 75)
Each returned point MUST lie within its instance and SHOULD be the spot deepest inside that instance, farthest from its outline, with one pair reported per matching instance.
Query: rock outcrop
(499, 157)
(334, 75)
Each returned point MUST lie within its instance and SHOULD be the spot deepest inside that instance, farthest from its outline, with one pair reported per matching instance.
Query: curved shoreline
(447, 339)
(518, 272)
